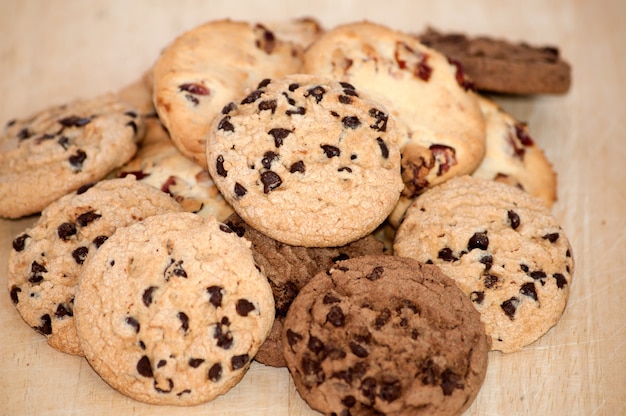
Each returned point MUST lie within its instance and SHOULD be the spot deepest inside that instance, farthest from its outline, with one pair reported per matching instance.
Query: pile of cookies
(340, 202)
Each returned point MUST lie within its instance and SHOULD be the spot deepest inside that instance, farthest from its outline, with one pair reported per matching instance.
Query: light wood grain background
(54, 51)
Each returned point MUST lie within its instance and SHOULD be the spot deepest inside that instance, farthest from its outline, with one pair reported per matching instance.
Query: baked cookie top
(62, 148)
(172, 310)
(429, 95)
(288, 268)
(307, 160)
(160, 164)
(207, 67)
(385, 335)
(512, 155)
(502, 247)
(46, 260)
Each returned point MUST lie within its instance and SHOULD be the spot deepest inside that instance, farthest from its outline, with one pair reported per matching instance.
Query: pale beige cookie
(59, 149)
(302, 31)
(307, 160)
(502, 247)
(47, 259)
(172, 310)
(385, 335)
(208, 66)
(429, 95)
(160, 164)
(513, 157)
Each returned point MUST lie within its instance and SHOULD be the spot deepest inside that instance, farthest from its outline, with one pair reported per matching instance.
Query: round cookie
(209, 66)
(59, 149)
(385, 335)
(306, 160)
(513, 157)
(160, 164)
(172, 310)
(502, 247)
(288, 268)
(428, 94)
(46, 260)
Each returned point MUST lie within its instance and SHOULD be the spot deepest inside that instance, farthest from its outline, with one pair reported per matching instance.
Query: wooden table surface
(54, 51)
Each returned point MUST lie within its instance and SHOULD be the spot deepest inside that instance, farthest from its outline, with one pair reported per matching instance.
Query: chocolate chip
(86, 218)
(14, 294)
(170, 386)
(382, 318)
(133, 125)
(317, 93)
(20, 242)
(267, 41)
(490, 280)
(344, 169)
(240, 231)
(215, 295)
(144, 367)
(80, 254)
(384, 150)
(477, 297)
(229, 107)
(358, 350)
(297, 167)
(74, 121)
(66, 230)
(147, 295)
(487, 260)
(510, 307)
(380, 123)
(450, 381)
(184, 320)
(161, 363)
(524, 268)
(24, 134)
(298, 111)
(528, 289)
(351, 122)
(479, 241)
(268, 158)
(279, 134)
(390, 391)
(219, 166)
(293, 337)
(268, 105)
(175, 268)
(264, 83)
(344, 99)
(46, 325)
(538, 274)
(84, 188)
(225, 124)
(99, 240)
(244, 307)
(270, 180)
(36, 271)
(240, 191)
(290, 100)
(315, 345)
(253, 96)
(195, 362)
(446, 254)
(134, 323)
(348, 401)
(347, 85)
(375, 274)
(77, 159)
(293, 86)
(551, 237)
(561, 281)
(63, 311)
(368, 389)
(514, 219)
(239, 361)
(312, 370)
(330, 151)
(224, 338)
(215, 372)
(335, 316)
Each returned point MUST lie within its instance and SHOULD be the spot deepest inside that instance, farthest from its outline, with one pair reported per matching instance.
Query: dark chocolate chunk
(330, 151)
(80, 254)
(36, 271)
(351, 122)
(538, 274)
(510, 307)
(195, 362)
(244, 307)
(270, 180)
(358, 350)
(268, 105)
(375, 274)
(134, 323)
(268, 158)
(14, 294)
(144, 367)
(84, 188)
(225, 124)
(297, 167)
(490, 280)
(348, 401)
(514, 219)
(390, 390)
(253, 96)
(335, 316)
(316, 92)
(20, 242)
(479, 241)
(450, 381)
(293, 337)
(239, 361)
(446, 254)
(63, 311)
(315, 345)
(279, 134)
(85, 218)
(46, 325)
(215, 295)
(380, 123)
(77, 159)
(384, 150)
(240, 190)
(478, 297)
(147, 295)
(229, 107)
(99, 240)
(66, 230)
(561, 281)
(528, 289)
(551, 237)
(219, 166)
(215, 372)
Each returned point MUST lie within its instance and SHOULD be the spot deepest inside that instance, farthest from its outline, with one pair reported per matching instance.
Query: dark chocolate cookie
(385, 335)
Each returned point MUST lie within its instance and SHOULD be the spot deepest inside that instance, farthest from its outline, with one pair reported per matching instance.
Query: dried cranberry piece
(144, 367)
(20, 242)
(194, 88)
(330, 151)
(461, 77)
(148, 294)
(215, 372)
(244, 307)
(522, 135)
(445, 156)
(239, 361)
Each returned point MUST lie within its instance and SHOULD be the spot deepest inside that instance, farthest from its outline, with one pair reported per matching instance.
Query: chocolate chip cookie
(308, 161)
(62, 148)
(502, 247)
(46, 260)
(385, 335)
(172, 310)
(288, 268)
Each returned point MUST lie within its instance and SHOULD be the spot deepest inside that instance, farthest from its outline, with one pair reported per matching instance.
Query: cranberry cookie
(385, 335)
(306, 160)
(502, 247)
(207, 67)
(62, 148)
(288, 268)
(47, 259)
(172, 310)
